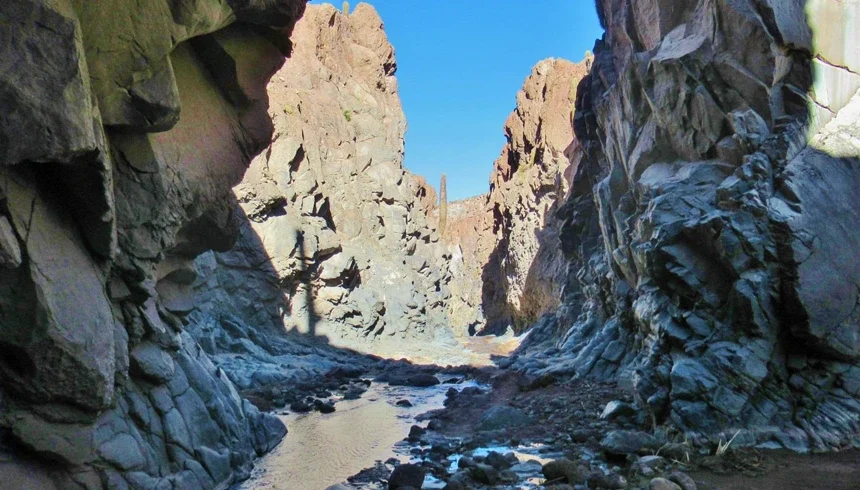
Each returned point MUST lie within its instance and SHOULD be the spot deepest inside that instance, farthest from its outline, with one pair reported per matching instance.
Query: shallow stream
(321, 450)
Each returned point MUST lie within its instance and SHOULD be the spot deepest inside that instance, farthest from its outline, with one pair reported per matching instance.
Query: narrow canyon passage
(217, 270)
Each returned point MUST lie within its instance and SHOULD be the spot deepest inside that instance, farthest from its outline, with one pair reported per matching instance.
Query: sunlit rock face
(714, 241)
(507, 261)
(337, 243)
(125, 126)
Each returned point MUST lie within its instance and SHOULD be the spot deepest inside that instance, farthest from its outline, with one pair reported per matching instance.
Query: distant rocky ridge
(508, 264)
(124, 127)
(713, 222)
(337, 243)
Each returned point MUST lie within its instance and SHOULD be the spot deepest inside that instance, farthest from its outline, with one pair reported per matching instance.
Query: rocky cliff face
(336, 243)
(507, 257)
(713, 220)
(110, 179)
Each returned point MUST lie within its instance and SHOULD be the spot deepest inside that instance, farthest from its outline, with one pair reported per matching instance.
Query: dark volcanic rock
(415, 380)
(415, 432)
(300, 407)
(484, 473)
(125, 127)
(407, 475)
(345, 372)
(623, 442)
(712, 219)
(499, 461)
(616, 409)
(564, 471)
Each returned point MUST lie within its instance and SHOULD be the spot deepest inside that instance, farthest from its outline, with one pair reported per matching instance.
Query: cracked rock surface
(337, 243)
(108, 174)
(712, 233)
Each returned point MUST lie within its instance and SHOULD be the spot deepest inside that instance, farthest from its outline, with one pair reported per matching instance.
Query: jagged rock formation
(714, 219)
(337, 243)
(108, 173)
(508, 261)
(471, 237)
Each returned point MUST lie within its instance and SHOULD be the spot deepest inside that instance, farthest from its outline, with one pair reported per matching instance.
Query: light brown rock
(507, 256)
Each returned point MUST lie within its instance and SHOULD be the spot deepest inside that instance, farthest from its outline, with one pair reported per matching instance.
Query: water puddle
(321, 450)
(531, 458)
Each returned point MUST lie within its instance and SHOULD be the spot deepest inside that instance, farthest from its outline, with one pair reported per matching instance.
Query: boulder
(623, 442)
(484, 473)
(407, 475)
(564, 471)
(616, 409)
(500, 461)
(415, 433)
(415, 380)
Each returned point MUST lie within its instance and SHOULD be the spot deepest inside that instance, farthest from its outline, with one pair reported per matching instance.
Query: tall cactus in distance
(345, 8)
(443, 206)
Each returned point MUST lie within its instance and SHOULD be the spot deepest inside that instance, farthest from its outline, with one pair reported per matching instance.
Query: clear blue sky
(460, 65)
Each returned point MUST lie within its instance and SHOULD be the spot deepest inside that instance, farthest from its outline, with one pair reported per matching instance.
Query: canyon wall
(507, 261)
(125, 125)
(336, 243)
(713, 221)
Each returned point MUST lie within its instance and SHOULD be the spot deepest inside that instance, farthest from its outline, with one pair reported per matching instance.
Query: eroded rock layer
(336, 243)
(125, 126)
(507, 259)
(714, 220)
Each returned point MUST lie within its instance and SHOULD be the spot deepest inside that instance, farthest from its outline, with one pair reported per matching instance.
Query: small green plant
(288, 109)
(347, 114)
(345, 8)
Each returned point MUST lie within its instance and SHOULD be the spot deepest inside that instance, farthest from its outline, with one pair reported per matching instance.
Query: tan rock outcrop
(339, 225)
(509, 264)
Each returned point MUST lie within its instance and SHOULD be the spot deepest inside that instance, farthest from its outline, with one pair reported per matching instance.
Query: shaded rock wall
(125, 126)
(337, 244)
(713, 239)
(508, 264)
